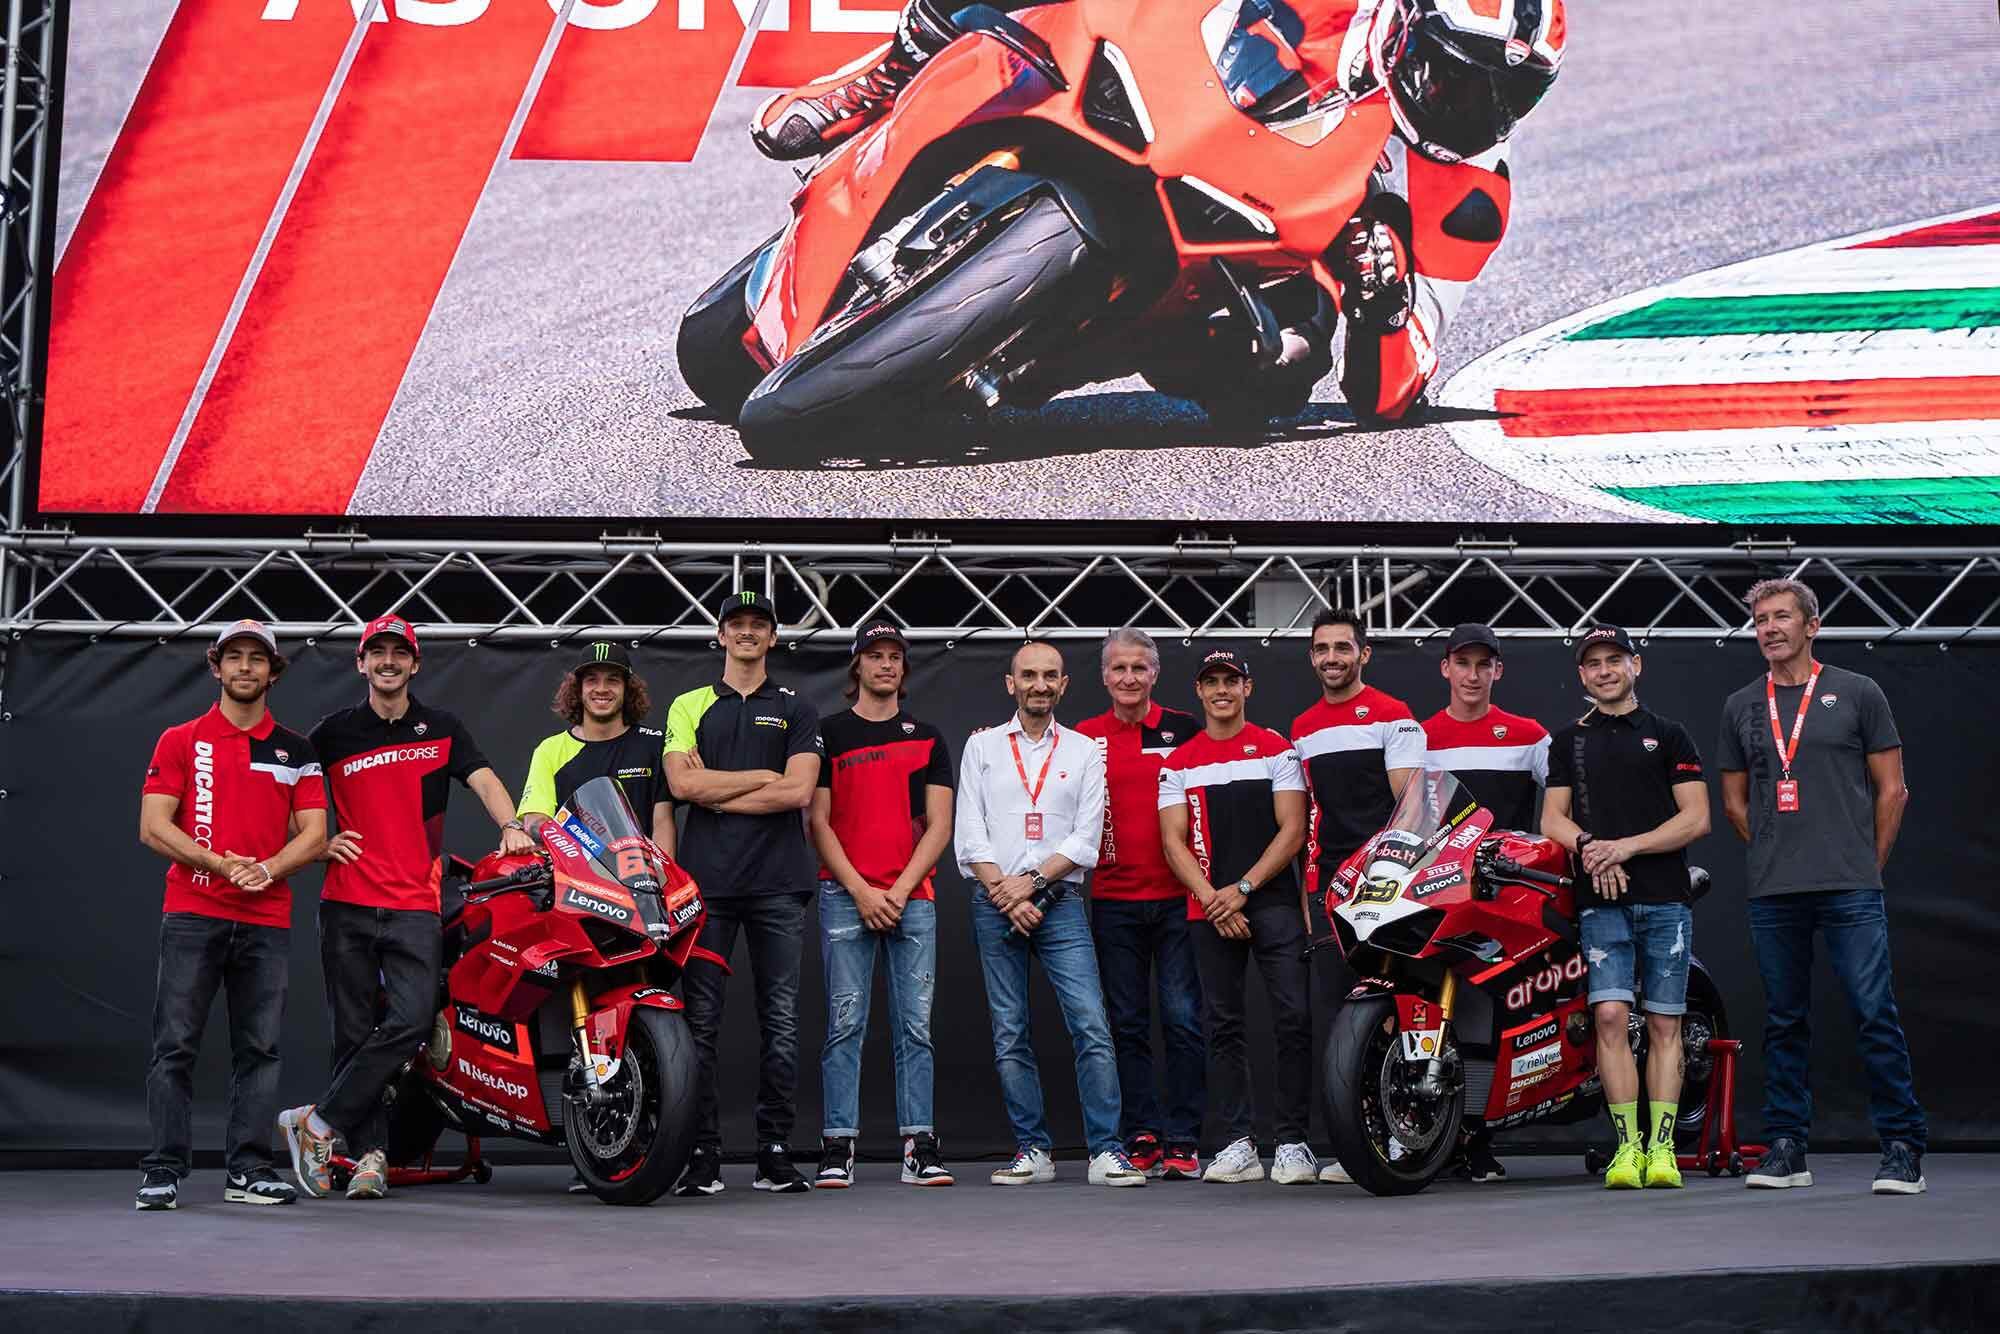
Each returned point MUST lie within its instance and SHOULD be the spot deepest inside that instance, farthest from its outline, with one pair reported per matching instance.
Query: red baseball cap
(393, 625)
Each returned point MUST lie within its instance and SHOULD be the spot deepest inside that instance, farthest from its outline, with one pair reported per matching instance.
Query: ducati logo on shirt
(284, 756)
(1829, 700)
(421, 728)
(1361, 712)
(1166, 736)
(1500, 731)
(1649, 743)
(909, 729)
(1249, 748)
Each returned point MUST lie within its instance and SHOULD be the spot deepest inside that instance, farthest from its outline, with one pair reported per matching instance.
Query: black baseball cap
(1469, 633)
(875, 633)
(1225, 660)
(1603, 634)
(603, 653)
(746, 601)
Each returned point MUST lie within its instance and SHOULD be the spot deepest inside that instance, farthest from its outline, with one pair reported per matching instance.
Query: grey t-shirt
(1829, 842)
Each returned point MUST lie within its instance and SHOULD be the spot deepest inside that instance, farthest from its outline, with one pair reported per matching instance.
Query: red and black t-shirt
(1227, 787)
(1347, 750)
(388, 782)
(238, 790)
(1501, 758)
(1130, 864)
(876, 773)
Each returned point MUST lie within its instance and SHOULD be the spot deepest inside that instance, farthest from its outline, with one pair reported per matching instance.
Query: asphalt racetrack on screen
(1537, 1252)
(1675, 141)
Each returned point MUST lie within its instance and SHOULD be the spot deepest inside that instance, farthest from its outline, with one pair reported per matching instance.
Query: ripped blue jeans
(1649, 942)
(848, 950)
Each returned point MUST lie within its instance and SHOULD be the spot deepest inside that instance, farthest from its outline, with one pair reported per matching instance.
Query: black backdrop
(83, 897)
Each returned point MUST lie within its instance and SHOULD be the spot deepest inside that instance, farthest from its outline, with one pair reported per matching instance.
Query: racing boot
(830, 110)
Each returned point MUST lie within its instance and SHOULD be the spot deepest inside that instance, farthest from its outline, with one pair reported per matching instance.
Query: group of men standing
(1207, 842)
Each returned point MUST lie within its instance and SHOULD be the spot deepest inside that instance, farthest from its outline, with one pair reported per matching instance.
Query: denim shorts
(1623, 942)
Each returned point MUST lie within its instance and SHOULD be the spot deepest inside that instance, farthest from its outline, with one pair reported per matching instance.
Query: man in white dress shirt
(1030, 815)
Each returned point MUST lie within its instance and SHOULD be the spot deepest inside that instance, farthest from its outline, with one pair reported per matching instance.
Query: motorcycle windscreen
(1433, 803)
(1255, 47)
(603, 823)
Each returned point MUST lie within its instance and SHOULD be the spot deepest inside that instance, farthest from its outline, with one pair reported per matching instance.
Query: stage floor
(521, 1237)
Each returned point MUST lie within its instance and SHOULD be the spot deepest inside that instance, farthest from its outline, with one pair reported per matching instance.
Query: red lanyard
(1035, 792)
(1787, 753)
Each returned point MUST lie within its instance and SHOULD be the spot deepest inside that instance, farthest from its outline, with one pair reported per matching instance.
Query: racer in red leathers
(1459, 75)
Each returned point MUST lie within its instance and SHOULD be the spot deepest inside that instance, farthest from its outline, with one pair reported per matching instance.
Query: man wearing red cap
(221, 794)
(389, 763)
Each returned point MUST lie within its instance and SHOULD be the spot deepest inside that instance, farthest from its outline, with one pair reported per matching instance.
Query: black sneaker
(161, 1189)
(703, 1175)
(775, 1172)
(921, 1164)
(258, 1186)
(1902, 1169)
(836, 1164)
(1477, 1163)
(1783, 1166)
(578, 1186)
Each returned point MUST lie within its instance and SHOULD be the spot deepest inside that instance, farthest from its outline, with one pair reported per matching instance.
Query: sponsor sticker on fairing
(1542, 1058)
(585, 901)
(1540, 1033)
(1420, 1044)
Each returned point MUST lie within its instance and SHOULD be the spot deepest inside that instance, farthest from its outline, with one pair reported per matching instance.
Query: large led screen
(1162, 260)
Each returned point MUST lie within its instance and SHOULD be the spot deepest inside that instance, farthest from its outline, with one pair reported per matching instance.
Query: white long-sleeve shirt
(991, 824)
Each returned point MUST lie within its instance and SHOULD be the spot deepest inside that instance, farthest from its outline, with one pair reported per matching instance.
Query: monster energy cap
(746, 601)
(603, 653)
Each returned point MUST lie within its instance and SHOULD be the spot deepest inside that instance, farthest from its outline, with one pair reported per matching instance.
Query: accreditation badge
(1033, 826)
(1788, 795)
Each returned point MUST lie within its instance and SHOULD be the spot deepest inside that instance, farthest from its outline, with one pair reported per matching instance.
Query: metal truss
(27, 107)
(637, 587)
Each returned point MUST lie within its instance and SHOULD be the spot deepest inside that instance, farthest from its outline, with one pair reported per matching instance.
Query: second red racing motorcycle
(557, 1019)
(1063, 196)
(1472, 1008)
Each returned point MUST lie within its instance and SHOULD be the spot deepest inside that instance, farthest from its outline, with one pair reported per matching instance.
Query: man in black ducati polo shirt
(744, 753)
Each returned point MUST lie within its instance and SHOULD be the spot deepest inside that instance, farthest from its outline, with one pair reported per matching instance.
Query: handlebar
(1509, 869)
(520, 875)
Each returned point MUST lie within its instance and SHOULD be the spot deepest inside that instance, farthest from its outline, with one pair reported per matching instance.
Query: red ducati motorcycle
(1058, 198)
(1472, 1006)
(557, 1021)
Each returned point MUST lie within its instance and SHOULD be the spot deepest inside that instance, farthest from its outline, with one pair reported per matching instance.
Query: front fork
(1432, 1083)
(599, 1067)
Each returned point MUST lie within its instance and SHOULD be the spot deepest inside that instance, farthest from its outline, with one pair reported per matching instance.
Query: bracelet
(265, 867)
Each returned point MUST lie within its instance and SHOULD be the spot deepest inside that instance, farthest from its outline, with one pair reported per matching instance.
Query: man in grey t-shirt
(1812, 779)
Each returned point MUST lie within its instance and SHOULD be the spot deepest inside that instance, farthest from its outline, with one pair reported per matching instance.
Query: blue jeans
(848, 950)
(1857, 945)
(1062, 943)
(1624, 942)
(1135, 941)
(200, 956)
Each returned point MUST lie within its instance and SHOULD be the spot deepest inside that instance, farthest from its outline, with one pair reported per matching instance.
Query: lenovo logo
(591, 903)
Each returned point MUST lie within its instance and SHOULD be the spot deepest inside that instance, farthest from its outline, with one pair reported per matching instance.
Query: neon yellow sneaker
(1627, 1170)
(1661, 1169)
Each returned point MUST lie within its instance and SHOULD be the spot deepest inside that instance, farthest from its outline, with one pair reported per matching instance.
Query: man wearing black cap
(881, 818)
(605, 703)
(1232, 818)
(1626, 795)
(220, 794)
(1503, 761)
(744, 754)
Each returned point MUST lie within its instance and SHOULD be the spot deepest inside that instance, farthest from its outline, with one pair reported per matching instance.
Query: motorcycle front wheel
(1391, 1137)
(631, 1147)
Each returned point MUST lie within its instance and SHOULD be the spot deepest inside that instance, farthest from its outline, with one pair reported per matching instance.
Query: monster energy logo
(600, 651)
(747, 598)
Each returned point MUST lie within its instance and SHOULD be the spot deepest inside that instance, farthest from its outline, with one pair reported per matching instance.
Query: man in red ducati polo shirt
(1139, 920)
(221, 795)
(389, 763)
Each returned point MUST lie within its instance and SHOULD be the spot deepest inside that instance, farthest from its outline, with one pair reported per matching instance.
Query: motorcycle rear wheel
(1359, 1113)
(654, 1095)
(880, 371)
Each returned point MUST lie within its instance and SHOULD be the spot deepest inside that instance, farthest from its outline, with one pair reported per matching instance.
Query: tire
(659, 1066)
(710, 344)
(415, 1121)
(908, 357)
(1357, 1047)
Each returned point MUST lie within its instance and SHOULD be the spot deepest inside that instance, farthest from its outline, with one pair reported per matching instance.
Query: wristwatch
(1244, 887)
(515, 823)
(1040, 881)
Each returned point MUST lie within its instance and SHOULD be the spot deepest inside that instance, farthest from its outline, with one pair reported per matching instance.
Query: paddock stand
(426, 1172)
(1717, 1150)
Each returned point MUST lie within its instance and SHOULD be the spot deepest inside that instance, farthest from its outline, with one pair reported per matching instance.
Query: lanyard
(1035, 792)
(1787, 753)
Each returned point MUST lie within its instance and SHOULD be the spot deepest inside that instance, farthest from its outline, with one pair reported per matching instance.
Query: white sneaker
(1238, 1162)
(1294, 1165)
(1029, 1166)
(1113, 1168)
(1333, 1174)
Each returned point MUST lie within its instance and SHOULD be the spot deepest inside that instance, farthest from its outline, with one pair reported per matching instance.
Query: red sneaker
(827, 112)
(1144, 1151)
(1180, 1162)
